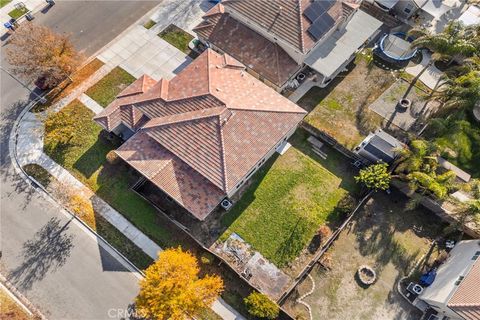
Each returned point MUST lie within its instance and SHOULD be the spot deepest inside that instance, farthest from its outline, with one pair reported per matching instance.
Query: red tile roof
(466, 300)
(206, 128)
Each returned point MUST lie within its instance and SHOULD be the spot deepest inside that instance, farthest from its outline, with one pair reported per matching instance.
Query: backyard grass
(67, 86)
(149, 24)
(84, 210)
(177, 38)
(84, 154)
(105, 90)
(18, 12)
(289, 198)
(3, 3)
(341, 109)
(385, 236)
(9, 309)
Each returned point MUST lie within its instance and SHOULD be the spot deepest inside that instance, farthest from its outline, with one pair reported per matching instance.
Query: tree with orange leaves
(172, 288)
(35, 51)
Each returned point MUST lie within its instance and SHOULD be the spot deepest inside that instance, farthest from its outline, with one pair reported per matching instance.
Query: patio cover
(437, 8)
(471, 16)
(329, 56)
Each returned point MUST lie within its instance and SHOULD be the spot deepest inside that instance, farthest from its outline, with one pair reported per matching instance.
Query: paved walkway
(141, 51)
(429, 77)
(90, 103)
(302, 90)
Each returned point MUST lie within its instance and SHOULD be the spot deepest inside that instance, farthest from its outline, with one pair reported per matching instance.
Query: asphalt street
(58, 266)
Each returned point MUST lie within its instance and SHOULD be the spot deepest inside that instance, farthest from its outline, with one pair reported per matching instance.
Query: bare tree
(35, 51)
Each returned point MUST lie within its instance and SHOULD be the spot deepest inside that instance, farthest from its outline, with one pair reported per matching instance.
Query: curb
(21, 299)
(12, 144)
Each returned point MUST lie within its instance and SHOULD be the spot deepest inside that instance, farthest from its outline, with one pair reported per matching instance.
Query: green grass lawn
(149, 24)
(177, 38)
(341, 109)
(83, 153)
(3, 3)
(290, 197)
(17, 13)
(105, 90)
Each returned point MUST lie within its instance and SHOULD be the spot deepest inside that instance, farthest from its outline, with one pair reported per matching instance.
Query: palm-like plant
(418, 166)
(456, 42)
(462, 92)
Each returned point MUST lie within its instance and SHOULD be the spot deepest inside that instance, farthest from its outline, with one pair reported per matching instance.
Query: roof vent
(280, 9)
(242, 74)
(218, 89)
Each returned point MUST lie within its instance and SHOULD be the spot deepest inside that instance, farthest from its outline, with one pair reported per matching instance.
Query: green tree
(418, 166)
(259, 305)
(172, 288)
(466, 212)
(375, 177)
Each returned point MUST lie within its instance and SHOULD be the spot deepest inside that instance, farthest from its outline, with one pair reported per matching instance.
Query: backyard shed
(379, 147)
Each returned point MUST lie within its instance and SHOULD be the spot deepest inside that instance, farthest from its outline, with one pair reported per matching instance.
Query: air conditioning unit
(226, 204)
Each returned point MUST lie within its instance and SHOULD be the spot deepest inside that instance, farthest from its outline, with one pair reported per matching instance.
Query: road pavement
(63, 270)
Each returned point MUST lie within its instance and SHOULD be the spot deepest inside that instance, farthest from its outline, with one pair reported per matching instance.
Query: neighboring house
(406, 9)
(379, 147)
(455, 292)
(200, 136)
(278, 39)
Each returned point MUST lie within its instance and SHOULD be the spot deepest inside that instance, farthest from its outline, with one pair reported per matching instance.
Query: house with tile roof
(454, 294)
(278, 39)
(201, 135)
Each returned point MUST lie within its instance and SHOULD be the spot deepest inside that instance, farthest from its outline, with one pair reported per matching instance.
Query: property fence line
(324, 249)
(191, 236)
(332, 142)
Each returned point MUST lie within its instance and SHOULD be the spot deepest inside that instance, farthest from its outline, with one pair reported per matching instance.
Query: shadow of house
(94, 158)
(44, 253)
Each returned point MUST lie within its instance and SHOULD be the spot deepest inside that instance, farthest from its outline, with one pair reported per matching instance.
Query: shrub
(326, 260)
(324, 232)
(259, 305)
(346, 205)
(112, 157)
(206, 258)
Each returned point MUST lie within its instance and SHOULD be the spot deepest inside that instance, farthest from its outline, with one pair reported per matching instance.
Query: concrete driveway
(140, 51)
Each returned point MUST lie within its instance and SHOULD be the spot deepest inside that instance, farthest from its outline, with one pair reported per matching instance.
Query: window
(476, 255)
(459, 280)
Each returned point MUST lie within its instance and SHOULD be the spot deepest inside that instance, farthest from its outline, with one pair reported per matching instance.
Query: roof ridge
(184, 117)
(300, 20)
(263, 110)
(222, 154)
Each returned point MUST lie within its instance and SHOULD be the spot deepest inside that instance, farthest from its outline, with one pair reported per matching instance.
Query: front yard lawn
(3, 3)
(83, 153)
(18, 12)
(177, 37)
(105, 90)
(289, 198)
(341, 109)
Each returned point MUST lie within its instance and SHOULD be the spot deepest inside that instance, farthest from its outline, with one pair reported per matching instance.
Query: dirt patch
(385, 236)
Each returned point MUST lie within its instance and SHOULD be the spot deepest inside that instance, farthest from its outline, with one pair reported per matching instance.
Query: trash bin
(29, 16)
